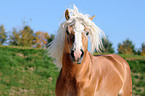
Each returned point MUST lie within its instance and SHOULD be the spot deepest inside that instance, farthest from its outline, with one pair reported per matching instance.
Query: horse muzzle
(77, 56)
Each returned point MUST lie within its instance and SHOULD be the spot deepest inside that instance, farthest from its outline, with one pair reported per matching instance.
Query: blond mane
(56, 48)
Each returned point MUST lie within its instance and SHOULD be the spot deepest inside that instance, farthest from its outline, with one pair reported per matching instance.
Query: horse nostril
(82, 53)
(72, 53)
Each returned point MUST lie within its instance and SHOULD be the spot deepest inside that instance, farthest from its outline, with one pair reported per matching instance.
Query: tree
(138, 52)
(22, 37)
(126, 48)
(40, 39)
(143, 49)
(2, 34)
(107, 46)
(50, 39)
(15, 38)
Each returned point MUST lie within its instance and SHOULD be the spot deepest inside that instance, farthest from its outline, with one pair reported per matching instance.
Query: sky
(119, 19)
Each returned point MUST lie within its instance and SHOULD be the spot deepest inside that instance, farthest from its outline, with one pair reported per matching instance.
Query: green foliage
(27, 38)
(41, 39)
(126, 48)
(50, 39)
(2, 34)
(107, 46)
(22, 37)
(143, 49)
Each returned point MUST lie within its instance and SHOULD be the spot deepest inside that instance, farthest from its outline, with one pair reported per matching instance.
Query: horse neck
(71, 71)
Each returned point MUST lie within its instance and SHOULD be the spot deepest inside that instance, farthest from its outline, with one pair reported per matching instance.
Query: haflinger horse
(83, 74)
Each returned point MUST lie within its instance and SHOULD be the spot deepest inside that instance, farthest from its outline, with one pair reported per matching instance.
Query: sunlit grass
(26, 72)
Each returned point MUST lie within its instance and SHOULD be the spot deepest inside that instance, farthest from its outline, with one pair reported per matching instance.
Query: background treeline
(26, 37)
(126, 47)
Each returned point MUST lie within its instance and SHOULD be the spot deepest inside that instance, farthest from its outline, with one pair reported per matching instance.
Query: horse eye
(87, 33)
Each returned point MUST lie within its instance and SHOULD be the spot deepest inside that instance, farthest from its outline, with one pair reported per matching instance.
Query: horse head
(72, 37)
(76, 37)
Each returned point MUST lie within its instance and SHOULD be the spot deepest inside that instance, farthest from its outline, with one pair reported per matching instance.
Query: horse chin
(77, 62)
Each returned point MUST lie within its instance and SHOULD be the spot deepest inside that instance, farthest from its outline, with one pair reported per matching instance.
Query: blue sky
(119, 19)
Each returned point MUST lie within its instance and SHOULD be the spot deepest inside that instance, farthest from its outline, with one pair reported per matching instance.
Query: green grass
(29, 72)
(26, 72)
(138, 76)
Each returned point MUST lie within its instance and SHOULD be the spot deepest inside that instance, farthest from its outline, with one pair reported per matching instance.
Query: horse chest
(68, 88)
(71, 88)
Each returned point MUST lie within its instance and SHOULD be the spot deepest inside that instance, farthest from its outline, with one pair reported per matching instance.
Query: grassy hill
(29, 72)
(26, 72)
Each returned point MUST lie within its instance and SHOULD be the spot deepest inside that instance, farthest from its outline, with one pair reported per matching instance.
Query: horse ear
(67, 14)
(91, 18)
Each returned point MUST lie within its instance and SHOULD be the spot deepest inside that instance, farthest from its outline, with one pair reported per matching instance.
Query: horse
(83, 74)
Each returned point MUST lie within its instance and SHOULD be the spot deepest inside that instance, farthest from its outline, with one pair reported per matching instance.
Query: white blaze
(78, 29)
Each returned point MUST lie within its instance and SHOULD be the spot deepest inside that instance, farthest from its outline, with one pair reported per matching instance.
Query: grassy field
(29, 72)
(26, 72)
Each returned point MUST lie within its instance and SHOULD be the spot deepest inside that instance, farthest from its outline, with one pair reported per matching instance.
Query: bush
(126, 48)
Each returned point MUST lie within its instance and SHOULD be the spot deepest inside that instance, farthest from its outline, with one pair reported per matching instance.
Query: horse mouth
(78, 61)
